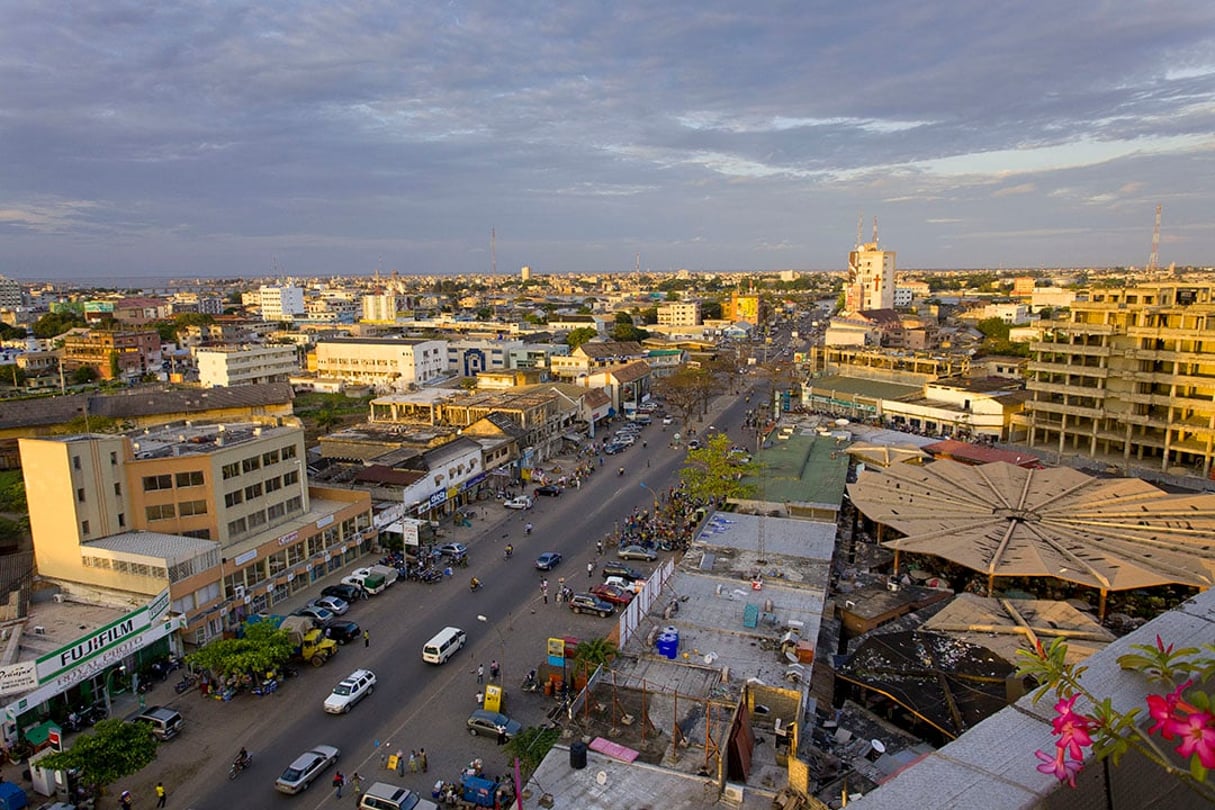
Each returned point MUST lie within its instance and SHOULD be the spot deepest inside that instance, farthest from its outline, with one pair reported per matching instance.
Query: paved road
(417, 704)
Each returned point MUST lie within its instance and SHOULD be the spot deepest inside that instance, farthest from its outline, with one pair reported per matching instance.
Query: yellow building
(741, 307)
(222, 515)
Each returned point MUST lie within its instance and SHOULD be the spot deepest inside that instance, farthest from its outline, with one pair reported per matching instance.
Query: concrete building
(870, 282)
(595, 356)
(682, 313)
(223, 366)
(112, 354)
(10, 293)
(467, 356)
(1129, 375)
(380, 308)
(386, 363)
(525, 273)
(742, 307)
(280, 303)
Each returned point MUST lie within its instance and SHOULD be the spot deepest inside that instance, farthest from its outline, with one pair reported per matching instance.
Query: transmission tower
(1154, 259)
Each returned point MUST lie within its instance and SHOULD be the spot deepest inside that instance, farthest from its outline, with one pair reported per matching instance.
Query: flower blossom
(1059, 766)
(1072, 728)
(1197, 733)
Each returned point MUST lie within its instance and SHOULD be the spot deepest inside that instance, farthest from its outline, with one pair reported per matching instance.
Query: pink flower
(1072, 728)
(1162, 707)
(1197, 733)
(1059, 766)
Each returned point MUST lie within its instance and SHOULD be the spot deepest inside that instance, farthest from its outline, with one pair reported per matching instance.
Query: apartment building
(1129, 375)
(386, 363)
(221, 515)
(595, 356)
(223, 366)
(380, 308)
(469, 356)
(682, 313)
(10, 293)
(741, 307)
(280, 303)
(870, 282)
(112, 354)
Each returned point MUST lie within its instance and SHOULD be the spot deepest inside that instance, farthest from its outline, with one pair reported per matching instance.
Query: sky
(183, 139)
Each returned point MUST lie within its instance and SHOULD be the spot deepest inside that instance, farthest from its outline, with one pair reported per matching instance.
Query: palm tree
(591, 653)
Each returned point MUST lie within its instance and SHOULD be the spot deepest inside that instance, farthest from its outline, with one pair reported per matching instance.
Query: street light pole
(644, 485)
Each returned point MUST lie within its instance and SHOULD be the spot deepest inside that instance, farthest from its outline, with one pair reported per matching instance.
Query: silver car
(306, 767)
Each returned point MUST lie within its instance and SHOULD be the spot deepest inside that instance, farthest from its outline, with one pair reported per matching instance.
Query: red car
(613, 593)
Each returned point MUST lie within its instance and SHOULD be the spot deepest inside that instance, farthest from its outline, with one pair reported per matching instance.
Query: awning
(573, 437)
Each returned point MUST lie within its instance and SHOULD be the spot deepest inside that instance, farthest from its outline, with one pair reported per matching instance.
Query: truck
(371, 584)
(309, 640)
(389, 573)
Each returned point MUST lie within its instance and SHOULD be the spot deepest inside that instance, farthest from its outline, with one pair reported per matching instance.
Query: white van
(383, 796)
(446, 643)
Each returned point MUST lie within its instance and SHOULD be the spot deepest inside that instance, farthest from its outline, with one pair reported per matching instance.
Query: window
(251, 464)
(276, 511)
(84, 527)
(257, 519)
(273, 484)
(288, 452)
(193, 478)
(201, 534)
(295, 504)
(236, 526)
(270, 458)
(76, 464)
(231, 470)
(113, 459)
(161, 512)
(118, 488)
(80, 494)
(152, 483)
(253, 491)
(188, 508)
(292, 477)
(122, 520)
(233, 498)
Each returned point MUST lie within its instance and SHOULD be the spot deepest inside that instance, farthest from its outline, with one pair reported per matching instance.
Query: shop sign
(437, 499)
(20, 677)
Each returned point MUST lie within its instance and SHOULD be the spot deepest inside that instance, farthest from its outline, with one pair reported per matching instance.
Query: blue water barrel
(668, 645)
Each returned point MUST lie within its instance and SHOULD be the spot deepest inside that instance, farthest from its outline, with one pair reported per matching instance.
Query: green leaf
(1197, 771)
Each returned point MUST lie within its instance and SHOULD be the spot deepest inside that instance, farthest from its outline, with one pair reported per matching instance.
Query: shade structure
(883, 455)
(948, 683)
(1007, 521)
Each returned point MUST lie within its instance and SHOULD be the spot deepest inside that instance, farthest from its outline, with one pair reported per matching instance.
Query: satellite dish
(878, 746)
(601, 777)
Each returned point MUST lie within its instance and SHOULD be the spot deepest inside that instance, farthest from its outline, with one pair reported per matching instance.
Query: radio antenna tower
(875, 232)
(860, 224)
(493, 252)
(1154, 259)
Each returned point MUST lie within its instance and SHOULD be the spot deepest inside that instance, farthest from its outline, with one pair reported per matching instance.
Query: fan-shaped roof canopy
(1007, 521)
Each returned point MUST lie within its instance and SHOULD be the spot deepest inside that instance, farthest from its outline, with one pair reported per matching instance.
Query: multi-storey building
(222, 366)
(682, 313)
(595, 356)
(112, 354)
(741, 307)
(380, 308)
(280, 303)
(10, 293)
(141, 311)
(870, 279)
(386, 363)
(1129, 373)
(468, 356)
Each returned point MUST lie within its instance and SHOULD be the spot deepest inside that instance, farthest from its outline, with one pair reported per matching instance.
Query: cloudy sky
(219, 138)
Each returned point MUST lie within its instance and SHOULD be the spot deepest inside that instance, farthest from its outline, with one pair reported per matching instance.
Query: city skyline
(323, 139)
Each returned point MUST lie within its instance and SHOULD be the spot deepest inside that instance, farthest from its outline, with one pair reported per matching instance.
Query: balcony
(1042, 406)
(1063, 347)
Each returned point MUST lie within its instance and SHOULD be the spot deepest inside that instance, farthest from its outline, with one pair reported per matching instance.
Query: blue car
(548, 560)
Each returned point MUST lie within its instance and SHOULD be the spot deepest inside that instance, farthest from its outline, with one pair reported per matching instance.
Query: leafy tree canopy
(112, 750)
(713, 472)
(56, 323)
(9, 332)
(626, 331)
(711, 310)
(262, 648)
(579, 336)
(84, 375)
(994, 328)
(687, 390)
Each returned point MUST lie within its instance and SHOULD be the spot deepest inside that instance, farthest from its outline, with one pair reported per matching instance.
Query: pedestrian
(400, 762)
(493, 670)
(339, 779)
(124, 801)
(413, 761)
(422, 760)
(357, 780)
(501, 735)
(590, 570)
(160, 794)
(598, 546)
(366, 639)
(480, 673)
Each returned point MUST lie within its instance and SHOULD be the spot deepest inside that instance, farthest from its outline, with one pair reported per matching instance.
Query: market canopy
(1007, 521)
(883, 455)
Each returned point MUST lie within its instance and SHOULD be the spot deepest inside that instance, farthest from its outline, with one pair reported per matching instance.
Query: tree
(685, 390)
(326, 419)
(993, 328)
(581, 335)
(711, 310)
(53, 324)
(262, 648)
(627, 331)
(84, 375)
(714, 473)
(112, 750)
(593, 652)
(531, 746)
(468, 383)
(9, 332)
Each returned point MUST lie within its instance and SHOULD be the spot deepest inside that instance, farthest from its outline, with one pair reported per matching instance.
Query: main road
(418, 705)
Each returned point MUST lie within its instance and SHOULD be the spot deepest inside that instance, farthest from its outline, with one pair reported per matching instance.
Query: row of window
(259, 518)
(257, 489)
(253, 463)
(168, 511)
(192, 478)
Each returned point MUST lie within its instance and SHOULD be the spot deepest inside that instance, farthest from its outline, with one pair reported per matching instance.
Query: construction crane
(1154, 259)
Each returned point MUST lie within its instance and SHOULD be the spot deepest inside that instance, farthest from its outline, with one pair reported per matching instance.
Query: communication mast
(860, 225)
(1154, 259)
(493, 252)
(875, 232)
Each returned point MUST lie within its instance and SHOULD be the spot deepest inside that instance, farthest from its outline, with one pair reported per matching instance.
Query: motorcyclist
(510, 549)
(527, 529)
(474, 584)
(620, 471)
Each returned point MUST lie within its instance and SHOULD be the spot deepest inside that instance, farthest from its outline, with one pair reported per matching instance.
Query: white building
(870, 279)
(380, 308)
(469, 356)
(682, 313)
(1011, 314)
(386, 363)
(10, 293)
(902, 297)
(223, 366)
(280, 303)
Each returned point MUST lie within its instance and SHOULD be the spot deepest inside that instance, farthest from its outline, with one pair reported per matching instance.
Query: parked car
(622, 570)
(519, 502)
(353, 688)
(612, 448)
(349, 593)
(548, 560)
(453, 550)
(637, 553)
(551, 490)
(667, 420)
(342, 631)
(613, 593)
(483, 721)
(334, 604)
(626, 440)
(305, 768)
(589, 603)
(694, 444)
(319, 613)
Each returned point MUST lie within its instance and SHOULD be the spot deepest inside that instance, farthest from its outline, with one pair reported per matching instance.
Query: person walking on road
(590, 570)
(400, 762)
(494, 671)
(422, 760)
(366, 639)
(413, 761)
(339, 779)
(480, 673)
(160, 794)
(357, 781)
(124, 801)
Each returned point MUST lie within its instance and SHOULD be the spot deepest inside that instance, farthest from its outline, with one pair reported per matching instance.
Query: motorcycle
(510, 551)
(267, 688)
(187, 682)
(530, 684)
(239, 765)
(620, 471)
(475, 585)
